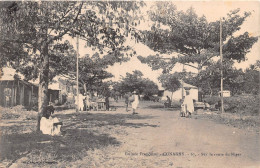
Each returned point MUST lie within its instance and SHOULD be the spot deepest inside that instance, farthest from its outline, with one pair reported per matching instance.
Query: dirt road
(170, 141)
(155, 137)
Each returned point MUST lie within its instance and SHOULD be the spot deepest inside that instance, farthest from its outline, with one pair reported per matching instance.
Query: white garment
(47, 127)
(135, 102)
(81, 101)
(88, 101)
(188, 101)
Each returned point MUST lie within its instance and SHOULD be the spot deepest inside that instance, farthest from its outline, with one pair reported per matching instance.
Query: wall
(177, 95)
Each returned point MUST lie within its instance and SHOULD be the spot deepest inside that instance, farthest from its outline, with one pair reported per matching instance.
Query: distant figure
(135, 102)
(81, 102)
(189, 104)
(218, 105)
(107, 103)
(49, 125)
(87, 100)
(168, 102)
(127, 95)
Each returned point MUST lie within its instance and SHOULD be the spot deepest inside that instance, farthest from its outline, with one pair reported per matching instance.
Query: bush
(212, 100)
(17, 112)
(240, 104)
(176, 104)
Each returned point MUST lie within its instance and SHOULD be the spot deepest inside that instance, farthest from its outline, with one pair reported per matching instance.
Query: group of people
(86, 103)
(52, 126)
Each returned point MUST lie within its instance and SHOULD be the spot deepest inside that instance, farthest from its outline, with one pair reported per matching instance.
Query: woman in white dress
(135, 102)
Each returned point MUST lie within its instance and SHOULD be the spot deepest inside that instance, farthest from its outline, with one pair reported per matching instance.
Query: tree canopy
(135, 82)
(32, 34)
(192, 39)
(170, 82)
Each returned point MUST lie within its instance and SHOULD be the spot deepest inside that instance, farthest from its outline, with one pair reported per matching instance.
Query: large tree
(170, 82)
(135, 81)
(192, 39)
(29, 30)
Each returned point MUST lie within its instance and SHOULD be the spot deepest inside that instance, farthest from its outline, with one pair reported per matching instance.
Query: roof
(8, 75)
(186, 85)
(21, 81)
(54, 86)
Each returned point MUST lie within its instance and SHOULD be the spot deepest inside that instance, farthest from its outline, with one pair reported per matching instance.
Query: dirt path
(171, 141)
(157, 138)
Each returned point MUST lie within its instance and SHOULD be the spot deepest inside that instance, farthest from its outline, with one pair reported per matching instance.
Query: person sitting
(49, 125)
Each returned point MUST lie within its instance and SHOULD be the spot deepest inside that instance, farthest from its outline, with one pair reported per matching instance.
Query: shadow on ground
(101, 119)
(78, 138)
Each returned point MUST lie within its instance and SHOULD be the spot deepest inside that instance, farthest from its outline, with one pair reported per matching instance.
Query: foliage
(235, 80)
(32, 34)
(251, 79)
(192, 38)
(240, 104)
(170, 82)
(136, 82)
(17, 112)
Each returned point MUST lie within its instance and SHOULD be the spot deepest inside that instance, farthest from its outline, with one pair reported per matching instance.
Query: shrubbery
(17, 112)
(240, 104)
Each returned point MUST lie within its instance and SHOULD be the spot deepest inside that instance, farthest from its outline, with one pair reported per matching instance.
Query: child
(49, 125)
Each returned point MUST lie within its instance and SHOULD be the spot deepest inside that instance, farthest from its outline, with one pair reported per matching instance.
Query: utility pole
(77, 73)
(221, 69)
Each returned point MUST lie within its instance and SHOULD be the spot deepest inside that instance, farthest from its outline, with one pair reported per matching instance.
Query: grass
(82, 132)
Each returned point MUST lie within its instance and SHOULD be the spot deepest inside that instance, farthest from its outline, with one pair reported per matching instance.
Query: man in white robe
(135, 102)
(188, 103)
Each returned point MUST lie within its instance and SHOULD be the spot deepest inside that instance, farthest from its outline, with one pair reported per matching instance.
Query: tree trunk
(85, 88)
(171, 96)
(210, 89)
(43, 100)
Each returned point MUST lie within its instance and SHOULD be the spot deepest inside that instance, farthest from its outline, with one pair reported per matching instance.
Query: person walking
(87, 100)
(135, 102)
(127, 96)
(188, 103)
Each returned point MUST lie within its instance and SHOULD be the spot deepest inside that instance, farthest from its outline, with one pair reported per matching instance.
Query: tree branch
(65, 31)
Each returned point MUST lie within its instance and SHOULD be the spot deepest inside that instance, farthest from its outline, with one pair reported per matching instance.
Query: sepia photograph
(125, 84)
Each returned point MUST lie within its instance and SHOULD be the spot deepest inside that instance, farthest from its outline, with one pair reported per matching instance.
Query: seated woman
(49, 125)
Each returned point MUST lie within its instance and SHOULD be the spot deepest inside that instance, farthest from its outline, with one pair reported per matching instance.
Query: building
(181, 92)
(226, 93)
(16, 91)
(19, 92)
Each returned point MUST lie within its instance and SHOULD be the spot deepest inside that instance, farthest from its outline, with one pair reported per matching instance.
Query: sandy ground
(195, 143)
(160, 138)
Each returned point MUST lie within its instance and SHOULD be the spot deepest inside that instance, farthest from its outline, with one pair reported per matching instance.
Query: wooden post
(77, 73)
(32, 95)
(221, 70)
(15, 93)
